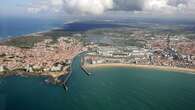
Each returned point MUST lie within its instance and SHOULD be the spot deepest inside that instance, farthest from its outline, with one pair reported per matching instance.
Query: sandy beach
(174, 69)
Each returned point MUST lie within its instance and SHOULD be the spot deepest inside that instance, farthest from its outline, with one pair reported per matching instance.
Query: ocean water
(11, 27)
(105, 89)
(88, 25)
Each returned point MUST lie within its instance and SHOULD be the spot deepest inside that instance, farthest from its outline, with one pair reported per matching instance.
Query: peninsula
(51, 53)
(39, 55)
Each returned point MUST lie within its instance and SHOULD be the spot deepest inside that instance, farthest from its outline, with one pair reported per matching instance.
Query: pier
(85, 70)
(65, 83)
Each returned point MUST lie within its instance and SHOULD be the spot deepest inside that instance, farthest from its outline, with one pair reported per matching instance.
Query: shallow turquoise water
(105, 89)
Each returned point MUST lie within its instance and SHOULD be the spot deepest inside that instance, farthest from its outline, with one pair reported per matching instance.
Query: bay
(106, 89)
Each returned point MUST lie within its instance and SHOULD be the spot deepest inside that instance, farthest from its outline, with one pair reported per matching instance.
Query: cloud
(176, 2)
(89, 6)
(52, 6)
(95, 7)
(128, 5)
(98, 7)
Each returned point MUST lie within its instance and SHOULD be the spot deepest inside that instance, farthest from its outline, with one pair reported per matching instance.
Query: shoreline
(52, 78)
(163, 68)
(3, 39)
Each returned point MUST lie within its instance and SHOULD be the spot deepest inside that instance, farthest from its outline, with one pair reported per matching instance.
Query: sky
(99, 8)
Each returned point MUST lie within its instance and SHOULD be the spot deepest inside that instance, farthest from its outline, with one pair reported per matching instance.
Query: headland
(39, 54)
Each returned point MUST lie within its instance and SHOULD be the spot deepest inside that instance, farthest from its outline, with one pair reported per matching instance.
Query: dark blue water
(19, 26)
(11, 27)
(87, 25)
(106, 89)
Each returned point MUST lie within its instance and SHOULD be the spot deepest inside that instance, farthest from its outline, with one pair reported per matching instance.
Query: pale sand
(175, 69)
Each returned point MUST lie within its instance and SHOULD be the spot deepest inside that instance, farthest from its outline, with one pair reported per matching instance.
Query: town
(51, 53)
(165, 50)
(48, 57)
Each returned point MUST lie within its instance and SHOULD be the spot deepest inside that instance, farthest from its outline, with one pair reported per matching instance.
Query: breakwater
(65, 82)
(85, 70)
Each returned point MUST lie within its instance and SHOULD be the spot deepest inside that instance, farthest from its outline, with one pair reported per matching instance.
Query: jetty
(83, 67)
(85, 70)
(65, 83)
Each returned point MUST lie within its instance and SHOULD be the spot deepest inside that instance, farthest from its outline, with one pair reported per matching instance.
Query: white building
(59, 67)
(2, 68)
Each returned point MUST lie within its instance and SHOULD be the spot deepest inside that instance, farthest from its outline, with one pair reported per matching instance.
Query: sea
(11, 27)
(106, 89)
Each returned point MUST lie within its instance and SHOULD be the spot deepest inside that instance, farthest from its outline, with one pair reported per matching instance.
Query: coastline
(52, 78)
(3, 39)
(163, 68)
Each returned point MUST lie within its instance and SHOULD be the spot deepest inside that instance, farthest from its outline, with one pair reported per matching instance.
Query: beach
(106, 89)
(164, 68)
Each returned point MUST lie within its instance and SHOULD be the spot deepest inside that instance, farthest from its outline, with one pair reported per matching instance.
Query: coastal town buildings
(161, 52)
(122, 45)
(46, 56)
